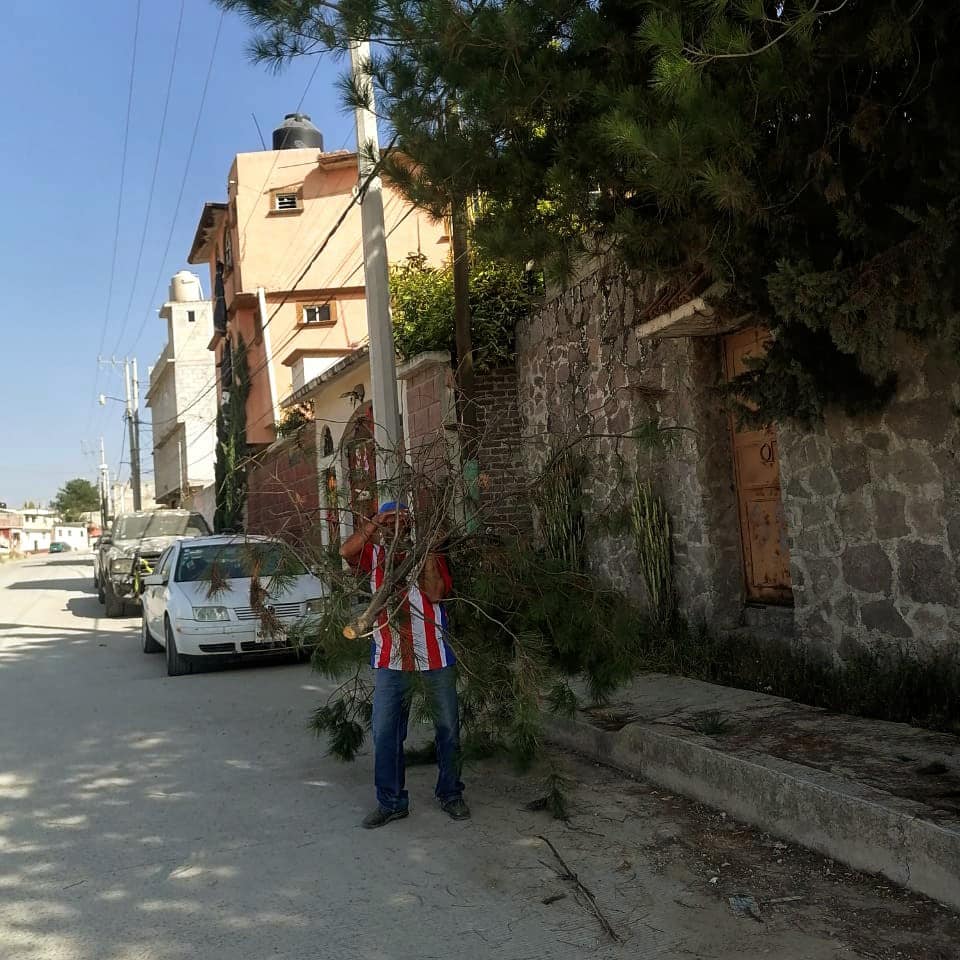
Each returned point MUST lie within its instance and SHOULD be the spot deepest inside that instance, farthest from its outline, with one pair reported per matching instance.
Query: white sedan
(197, 603)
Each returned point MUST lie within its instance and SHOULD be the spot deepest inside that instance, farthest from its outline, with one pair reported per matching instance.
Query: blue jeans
(391, 711)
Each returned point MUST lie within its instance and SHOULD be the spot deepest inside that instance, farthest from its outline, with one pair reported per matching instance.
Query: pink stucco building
(297, 318)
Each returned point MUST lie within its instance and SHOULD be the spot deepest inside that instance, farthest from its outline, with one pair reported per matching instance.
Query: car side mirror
(155, 580)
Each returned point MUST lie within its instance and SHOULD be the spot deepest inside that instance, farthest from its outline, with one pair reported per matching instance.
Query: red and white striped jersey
(411, 636)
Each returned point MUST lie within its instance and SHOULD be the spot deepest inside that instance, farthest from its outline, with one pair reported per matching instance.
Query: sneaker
(456, 809)
(381, 817)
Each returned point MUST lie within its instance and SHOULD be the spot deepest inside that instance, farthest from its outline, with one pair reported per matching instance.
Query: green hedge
(422, 302)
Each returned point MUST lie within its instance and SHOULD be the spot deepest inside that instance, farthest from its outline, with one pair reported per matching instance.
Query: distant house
(11, 529)
(73, 534)
(183, 401)
(38, 525)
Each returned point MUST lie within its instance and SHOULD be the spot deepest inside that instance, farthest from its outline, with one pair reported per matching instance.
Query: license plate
(275, 639)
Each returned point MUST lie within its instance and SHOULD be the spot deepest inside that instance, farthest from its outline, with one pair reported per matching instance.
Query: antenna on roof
(263, 143)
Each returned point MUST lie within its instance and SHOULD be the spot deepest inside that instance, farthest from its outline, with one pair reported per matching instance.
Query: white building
(121, 497)
(38, 525)
(183, 399)
(74, 535)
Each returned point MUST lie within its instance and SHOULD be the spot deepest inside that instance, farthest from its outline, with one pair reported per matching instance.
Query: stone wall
(873, 510)
(872, 505)
(586, 378)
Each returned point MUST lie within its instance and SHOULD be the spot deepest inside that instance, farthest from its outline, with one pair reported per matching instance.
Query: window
(235, 561)
(285, 200)
(191, 316)
(316, 314)
(160, 524)
(227, 249)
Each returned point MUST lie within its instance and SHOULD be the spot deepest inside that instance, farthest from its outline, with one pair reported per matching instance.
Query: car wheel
(146, 639)
(177, 663)
(113, 603)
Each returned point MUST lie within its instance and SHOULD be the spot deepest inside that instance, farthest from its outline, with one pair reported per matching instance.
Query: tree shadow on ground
(71, 584)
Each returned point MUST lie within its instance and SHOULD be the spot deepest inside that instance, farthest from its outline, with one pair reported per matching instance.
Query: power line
(241, 235)
(183, 182)
(116, 229)
(292, 336)
(356, 198)
(153, 180)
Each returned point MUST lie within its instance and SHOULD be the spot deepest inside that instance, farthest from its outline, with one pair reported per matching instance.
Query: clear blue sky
(64, 72)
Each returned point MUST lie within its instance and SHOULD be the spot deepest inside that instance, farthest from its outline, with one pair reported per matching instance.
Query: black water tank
(297, 132)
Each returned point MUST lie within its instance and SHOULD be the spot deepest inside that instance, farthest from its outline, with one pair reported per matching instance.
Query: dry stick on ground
(569, 875)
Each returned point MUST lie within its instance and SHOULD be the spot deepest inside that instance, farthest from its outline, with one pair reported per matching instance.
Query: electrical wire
(183, 184)
(242, 235)
(116, 228)
(361, 192)
(153, 179)
(293, 334)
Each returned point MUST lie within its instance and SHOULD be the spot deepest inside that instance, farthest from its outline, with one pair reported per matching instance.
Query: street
(149, 818)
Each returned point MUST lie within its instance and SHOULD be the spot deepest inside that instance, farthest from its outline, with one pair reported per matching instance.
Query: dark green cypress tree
(230, 469)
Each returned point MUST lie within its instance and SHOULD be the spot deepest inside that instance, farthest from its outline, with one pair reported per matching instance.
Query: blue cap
(393, 505)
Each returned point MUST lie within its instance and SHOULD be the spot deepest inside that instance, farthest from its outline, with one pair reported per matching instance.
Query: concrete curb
(847, 821)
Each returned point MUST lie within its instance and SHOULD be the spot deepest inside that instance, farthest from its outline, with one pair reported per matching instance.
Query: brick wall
(503, 490)
(430, 411)
(283, 497)
(426, 392)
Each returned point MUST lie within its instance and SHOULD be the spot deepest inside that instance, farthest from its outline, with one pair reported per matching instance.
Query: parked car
(131, 549)
(196, 604)
(58, 546)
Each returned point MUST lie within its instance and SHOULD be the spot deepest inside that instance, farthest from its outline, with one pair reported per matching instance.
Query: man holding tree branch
(409, 637)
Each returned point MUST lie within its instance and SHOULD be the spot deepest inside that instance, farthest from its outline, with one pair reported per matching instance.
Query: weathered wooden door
(763, 528)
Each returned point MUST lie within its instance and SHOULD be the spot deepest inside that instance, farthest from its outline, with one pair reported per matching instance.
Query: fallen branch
(571, 877)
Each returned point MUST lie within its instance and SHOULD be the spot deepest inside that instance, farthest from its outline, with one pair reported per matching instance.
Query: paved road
(148, 818)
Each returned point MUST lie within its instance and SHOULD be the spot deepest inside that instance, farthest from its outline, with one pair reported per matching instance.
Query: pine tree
(801, 160)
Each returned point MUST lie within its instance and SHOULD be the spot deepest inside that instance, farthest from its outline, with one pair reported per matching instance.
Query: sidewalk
(881, 797)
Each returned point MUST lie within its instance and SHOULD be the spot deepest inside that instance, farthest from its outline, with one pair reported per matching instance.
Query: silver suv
(129, 551)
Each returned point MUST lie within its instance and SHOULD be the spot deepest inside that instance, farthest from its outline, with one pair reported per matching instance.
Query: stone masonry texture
(585, 378)
(872, 504)
(878, 499)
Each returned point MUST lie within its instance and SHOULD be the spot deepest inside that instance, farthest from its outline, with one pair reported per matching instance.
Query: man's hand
(384, 520)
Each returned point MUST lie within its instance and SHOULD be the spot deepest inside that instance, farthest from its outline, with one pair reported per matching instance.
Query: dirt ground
(621, 829)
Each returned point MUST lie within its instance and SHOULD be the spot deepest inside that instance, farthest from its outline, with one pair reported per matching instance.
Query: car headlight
(209, 614)
(121, 565)
(315, 606)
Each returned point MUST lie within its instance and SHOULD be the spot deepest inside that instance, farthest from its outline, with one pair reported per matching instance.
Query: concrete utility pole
(132, 388)
(104, 489)
(383, 371)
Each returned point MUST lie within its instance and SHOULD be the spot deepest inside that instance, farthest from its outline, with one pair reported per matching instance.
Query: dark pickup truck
(132, 547)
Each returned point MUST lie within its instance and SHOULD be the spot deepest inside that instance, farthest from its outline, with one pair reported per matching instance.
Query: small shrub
(712, 723)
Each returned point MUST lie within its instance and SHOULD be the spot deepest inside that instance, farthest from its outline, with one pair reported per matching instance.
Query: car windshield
(161, 525)
(235, 560)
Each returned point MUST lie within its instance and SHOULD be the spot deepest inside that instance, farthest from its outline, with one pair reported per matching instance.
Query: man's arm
(352, 548)
(433, 585)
